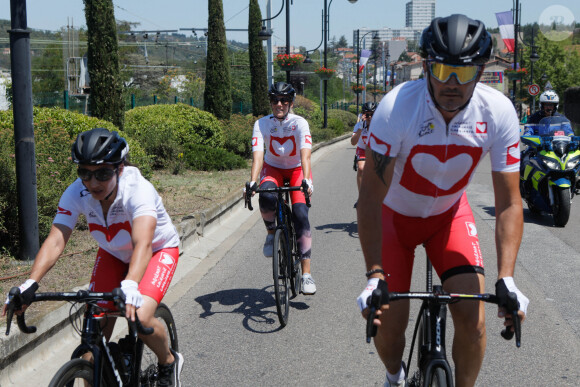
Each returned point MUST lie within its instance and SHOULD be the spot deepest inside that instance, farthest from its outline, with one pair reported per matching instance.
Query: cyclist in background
(288, 144)
(359, 137)
(138, 244)
(425, 142)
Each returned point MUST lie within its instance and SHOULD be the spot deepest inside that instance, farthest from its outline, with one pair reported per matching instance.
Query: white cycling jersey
(436, 161)
(362, 140)
(135, 197)
(283, 140)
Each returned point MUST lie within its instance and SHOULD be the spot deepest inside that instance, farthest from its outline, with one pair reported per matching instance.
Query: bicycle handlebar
(117, 296)
(381, 296)
(248, 194)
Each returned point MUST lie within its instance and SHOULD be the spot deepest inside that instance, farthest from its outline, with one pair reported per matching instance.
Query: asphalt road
(230, 335)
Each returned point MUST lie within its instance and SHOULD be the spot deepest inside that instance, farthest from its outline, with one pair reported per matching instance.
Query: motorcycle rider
(548, 107)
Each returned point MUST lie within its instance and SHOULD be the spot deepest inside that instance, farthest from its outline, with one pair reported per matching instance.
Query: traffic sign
(533, 89)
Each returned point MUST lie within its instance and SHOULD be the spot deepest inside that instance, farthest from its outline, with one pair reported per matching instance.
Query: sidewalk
(32, 360)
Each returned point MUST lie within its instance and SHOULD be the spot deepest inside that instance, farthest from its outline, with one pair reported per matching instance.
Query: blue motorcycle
(550, 165)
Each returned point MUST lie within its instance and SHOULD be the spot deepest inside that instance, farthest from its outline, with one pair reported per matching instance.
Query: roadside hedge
(164, 130)
(238, 134)
(206, 158)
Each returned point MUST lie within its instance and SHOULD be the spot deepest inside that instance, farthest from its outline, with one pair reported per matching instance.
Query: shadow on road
(256, 305)
(350, 228)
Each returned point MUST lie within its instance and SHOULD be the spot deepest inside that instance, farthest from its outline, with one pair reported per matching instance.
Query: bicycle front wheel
(76, 372)
(145, 358)
(280, 274)
(438, 378)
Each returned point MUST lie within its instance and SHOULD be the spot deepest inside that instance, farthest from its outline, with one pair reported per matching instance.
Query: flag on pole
(364, 57)
(506, 28)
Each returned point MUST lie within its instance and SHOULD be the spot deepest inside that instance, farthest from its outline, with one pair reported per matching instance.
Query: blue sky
(305, 15)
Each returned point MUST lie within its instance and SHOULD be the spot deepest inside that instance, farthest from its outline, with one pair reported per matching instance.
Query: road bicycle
(286, 267)
(433, 369)
(128, 362)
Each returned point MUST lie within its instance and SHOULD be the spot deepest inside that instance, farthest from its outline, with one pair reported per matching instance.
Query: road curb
(17, 349)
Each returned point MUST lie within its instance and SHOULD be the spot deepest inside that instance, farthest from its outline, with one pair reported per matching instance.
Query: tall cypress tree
(217, 95)
(106, 99)
(258, 70)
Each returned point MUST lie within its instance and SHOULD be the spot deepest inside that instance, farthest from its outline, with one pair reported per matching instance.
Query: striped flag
(364, 57)
(506, 28)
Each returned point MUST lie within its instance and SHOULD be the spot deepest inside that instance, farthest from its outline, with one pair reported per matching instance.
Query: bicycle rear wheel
(145, 358)
(280, 273)
(76, 372)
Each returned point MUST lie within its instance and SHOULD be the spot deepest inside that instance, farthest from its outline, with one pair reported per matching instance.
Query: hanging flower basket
(357, 89)
(324, 73)
(289, 62)
(375, 91)
(515, 74)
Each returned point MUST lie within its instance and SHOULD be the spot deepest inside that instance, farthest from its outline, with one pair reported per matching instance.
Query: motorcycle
(550, 166)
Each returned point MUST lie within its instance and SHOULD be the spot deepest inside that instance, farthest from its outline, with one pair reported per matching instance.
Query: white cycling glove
(132, 294)
(253, 186)
(507, 284)
(27, 290)
(362, 299)
(310, 186)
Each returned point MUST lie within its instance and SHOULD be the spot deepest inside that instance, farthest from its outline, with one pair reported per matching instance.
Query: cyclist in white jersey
(360, 134)
(425, 141)
(288, 143)
(138, 244)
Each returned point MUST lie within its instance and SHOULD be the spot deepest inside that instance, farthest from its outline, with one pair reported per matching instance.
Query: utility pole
(23, 131)
(516, 31)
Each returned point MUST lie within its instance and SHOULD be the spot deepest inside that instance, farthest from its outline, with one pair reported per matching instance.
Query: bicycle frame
(432, 322)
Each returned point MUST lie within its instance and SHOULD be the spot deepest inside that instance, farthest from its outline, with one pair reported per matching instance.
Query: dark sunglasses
(285, 101)
(101, 174)
(368, 115)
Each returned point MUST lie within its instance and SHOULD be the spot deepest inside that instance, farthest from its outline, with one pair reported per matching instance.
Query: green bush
(346, 117)
(164, 130)
(207, 158)
(54, 132)
(75, 123)
(238, 134)
(336, 126)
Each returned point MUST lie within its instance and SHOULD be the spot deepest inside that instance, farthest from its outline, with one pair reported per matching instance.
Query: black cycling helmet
(281, 89)
(456, 40)
(369, 107)
(99, 146)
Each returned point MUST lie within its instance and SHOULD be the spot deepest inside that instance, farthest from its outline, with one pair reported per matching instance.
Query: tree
(258, 71)
(342, 42)
(217, 95)
(106, 98)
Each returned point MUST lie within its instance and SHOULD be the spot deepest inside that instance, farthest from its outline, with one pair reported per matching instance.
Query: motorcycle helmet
(279, 89)
(549, 96)
(99, 146)
(456, 40)
(369, 107)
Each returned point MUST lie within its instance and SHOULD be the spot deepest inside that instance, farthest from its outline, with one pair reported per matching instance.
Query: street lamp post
(325, 82)
(358, 40)
(533, 58)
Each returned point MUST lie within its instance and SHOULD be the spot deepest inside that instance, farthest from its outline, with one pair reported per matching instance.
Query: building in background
(419, 13)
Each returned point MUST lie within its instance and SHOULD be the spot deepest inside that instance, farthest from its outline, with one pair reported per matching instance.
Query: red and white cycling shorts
(110, 271)
(279, 175)
(360, 153)
(450, 240)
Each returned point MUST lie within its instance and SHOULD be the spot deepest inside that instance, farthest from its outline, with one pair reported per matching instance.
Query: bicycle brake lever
(304, 186)
(512, 306)
(248, 197)
(15, 303)
(374, 303)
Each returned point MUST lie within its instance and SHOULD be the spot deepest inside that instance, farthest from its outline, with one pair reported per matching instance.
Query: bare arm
(257, 163)
(305, 154)
(355, 137)
(509, 221)
(50, 251)
(143, 230)
(375, 184)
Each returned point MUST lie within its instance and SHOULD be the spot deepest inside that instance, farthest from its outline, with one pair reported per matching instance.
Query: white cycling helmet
(550, 96)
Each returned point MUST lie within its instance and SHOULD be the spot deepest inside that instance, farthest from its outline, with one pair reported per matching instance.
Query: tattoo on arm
(381, 162)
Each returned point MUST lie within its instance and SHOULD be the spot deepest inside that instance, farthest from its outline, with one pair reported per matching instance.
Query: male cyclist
(288, 144)
(359, 138)
(548, 107)
(138, 244)
(425, 142)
